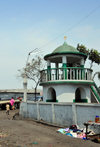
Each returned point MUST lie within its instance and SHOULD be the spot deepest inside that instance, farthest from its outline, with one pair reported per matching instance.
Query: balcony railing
(69, 73)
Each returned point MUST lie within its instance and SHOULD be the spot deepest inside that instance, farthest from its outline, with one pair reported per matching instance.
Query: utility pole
(25, 76)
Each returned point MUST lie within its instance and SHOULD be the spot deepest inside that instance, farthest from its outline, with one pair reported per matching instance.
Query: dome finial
(65, 37)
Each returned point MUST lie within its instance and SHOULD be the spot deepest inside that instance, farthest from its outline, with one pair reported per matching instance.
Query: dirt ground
(28, 133)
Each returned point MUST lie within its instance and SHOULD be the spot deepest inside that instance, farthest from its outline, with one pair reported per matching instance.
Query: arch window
(80, 96)
(51, 95)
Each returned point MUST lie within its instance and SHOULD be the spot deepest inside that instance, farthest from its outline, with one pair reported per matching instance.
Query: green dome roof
(65, 48)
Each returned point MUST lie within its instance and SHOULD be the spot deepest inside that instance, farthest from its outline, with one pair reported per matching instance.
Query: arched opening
(51, 95)
(80, 96)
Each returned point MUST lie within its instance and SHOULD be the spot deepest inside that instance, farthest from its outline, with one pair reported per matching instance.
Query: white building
(66, 79)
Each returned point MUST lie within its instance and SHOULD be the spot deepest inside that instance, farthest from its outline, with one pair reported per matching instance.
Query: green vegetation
(93, 55)
(83, 49)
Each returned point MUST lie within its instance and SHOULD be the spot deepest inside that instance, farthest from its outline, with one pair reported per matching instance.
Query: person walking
(7, 109)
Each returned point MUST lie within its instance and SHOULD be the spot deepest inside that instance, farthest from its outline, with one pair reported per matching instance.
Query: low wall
(64, 114)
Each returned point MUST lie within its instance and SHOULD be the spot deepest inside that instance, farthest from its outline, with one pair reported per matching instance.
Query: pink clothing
(12, 101)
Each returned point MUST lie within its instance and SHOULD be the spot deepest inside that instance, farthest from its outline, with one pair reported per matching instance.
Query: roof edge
(61, 53)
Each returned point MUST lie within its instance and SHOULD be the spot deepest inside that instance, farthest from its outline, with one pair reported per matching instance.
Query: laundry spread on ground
(73, 131)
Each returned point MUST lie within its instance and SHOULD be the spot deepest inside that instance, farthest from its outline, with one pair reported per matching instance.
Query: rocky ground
(27, 133)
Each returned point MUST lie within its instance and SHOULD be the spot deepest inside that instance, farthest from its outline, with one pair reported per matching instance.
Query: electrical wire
(70, 28)
(41, 50)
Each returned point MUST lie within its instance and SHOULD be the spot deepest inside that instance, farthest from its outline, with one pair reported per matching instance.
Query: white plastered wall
(66, 92)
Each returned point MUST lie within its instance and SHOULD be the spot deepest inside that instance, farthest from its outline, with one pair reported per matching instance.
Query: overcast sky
(29, 24)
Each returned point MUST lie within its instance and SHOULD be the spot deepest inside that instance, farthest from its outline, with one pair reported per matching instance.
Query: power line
(38, 50)
(70, 28)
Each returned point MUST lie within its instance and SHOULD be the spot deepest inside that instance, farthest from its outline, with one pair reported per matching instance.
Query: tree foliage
(93, 54)
(83, 49)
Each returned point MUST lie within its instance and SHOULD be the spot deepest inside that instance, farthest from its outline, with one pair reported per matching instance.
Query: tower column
(25, 88)
(64, 61)
(82, 62)
(82, 70)
(57, 71)
(48, 64)
(48, 70)
(64, 65)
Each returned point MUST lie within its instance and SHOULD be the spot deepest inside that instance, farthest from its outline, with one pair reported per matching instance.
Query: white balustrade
(66, 74)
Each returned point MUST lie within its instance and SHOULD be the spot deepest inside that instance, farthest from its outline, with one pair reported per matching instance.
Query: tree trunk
(36, 89)
(35, 93)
